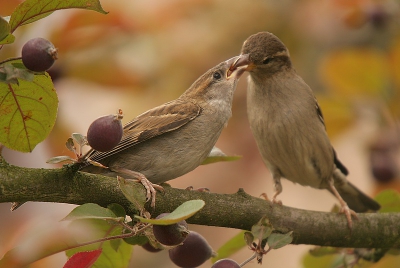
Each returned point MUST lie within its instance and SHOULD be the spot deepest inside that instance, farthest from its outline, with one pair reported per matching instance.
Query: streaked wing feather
(159, 120)
(338, 164)
(319, 112)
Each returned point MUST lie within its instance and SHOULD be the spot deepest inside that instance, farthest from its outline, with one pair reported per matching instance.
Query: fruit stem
(10, 59)
(119, 114)
(248, 260)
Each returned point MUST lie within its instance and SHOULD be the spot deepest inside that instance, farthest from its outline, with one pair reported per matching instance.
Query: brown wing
(338, 164)
(159, 120)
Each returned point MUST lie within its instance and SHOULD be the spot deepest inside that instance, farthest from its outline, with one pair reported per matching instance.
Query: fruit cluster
(189, 248)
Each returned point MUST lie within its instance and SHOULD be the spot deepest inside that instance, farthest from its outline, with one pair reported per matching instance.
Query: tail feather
(355, 199)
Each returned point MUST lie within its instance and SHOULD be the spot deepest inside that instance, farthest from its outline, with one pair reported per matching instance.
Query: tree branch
(239, 210)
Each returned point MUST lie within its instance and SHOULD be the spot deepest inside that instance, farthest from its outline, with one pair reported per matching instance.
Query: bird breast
(290, 140)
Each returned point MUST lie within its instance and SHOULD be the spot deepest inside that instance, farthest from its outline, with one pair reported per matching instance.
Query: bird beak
(239, 64)
(242, 63)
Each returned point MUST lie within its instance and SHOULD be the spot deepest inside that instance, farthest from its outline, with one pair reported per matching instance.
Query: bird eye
(217, 76)
(267, 60)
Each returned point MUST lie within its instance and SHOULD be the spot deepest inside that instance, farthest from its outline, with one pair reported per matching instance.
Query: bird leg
(344, 207)
(278, 188)
(139, 177)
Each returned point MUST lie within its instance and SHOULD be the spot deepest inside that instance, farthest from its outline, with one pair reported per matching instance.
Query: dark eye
(217, 76)
(267, 60)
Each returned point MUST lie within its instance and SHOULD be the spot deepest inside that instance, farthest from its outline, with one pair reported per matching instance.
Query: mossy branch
(239, 210)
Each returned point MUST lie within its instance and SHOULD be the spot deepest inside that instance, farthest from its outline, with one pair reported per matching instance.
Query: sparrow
(174, 138)
(288, 125)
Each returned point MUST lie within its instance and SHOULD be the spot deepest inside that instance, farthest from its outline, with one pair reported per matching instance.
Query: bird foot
(265, 196)
(276, 201)
(348, 213)
(150, 190)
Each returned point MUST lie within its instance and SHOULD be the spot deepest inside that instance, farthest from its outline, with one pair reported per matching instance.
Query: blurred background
(147, 52)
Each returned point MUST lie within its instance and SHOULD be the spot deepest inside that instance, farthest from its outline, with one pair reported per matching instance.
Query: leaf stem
(10, 59)
(113, 237)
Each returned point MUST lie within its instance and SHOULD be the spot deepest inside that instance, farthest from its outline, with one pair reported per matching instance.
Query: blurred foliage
(144, 53)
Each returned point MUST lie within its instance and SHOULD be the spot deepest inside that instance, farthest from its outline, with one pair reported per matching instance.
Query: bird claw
(348, 213)
(150, 190)
(276, 201)
(265, 196)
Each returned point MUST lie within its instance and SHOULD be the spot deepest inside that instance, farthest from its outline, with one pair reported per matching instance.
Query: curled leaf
(216, 155)
(262, 229)
(60, 159)
(277, 240)
(184, 211)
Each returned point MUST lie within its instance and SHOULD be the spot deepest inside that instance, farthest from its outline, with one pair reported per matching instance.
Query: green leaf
(389, 201)
(70, 145)
(115, 243)
(232, 246)
(134, 194)
(79, 138)
(136, 240)
(90, 211)
(8, 39)
(248, 238)
(277, 240)
(14, 70)
(109, 257)
(117, 209)
(33, 10)
(262, 229)
(28, 111)
(184, 211)
(216, 155)
(4, 29)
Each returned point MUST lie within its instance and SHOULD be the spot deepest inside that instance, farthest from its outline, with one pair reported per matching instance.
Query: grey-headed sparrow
(174, 138)
(288, 125)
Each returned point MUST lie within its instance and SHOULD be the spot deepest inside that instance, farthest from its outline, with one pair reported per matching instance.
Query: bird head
(262, 53)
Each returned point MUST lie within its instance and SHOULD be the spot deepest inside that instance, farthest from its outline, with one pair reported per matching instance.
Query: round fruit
(105, 132)
(150, 248)
(193, 252)
(226, 263)
(170, 235)
(38, 54)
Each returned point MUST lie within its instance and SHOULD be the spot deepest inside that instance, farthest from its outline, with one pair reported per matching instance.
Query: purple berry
(226, 263)
(150, 248)
(38, 54)
(170, 235)
(193, 252)
(105, 132)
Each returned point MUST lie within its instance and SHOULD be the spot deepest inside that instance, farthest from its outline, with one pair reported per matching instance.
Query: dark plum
(105, 132)
(193, 252)
(170, 235)
(226, 263)
(38, 54)
(148, 247)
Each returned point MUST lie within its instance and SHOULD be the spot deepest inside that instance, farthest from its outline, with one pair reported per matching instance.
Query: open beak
(241, 64)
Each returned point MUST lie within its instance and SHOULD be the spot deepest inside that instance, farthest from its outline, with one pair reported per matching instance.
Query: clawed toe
(348, 213)
(276, 201)
(265, 196)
